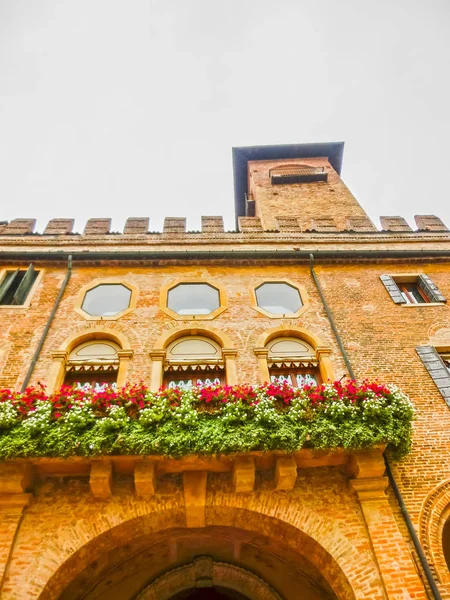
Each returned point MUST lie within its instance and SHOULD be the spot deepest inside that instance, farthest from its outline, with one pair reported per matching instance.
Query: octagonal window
(106, 300)
(278, 298)
(193, 299)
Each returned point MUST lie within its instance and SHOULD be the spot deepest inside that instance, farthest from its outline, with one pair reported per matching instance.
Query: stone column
(158, 357)
(325, 364)
(262, 354)
(124, 358)
(14, 481)
(396, 566)
(57, 370)
(229, 356)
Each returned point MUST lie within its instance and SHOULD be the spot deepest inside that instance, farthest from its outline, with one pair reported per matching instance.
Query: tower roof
(241, 156)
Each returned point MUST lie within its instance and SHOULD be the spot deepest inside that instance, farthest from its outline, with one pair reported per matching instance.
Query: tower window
(297, 174)
(16, 286)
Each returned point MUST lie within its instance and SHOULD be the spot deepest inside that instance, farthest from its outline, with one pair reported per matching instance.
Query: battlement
(213, 226)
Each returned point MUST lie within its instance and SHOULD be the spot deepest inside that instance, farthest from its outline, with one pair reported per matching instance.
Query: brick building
(306, 289)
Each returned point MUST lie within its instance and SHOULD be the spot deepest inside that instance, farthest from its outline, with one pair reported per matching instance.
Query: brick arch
(95, 333)
(290, 331)
(317, 538)
(205, 570)
(56, 370)
(439, 333)
(434, 514)
(287, 330)
(222, 338)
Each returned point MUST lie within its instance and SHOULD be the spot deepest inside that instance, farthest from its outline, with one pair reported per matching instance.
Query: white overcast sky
(131, 108)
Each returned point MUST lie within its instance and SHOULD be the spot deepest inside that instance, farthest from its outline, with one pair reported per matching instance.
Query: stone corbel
(15, 478)
(100, 479)
(194, 487)
(285, 473)
(244, 473)
(145, 479)
(367, 464)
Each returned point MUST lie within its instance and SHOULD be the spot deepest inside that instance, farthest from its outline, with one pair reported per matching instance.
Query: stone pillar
(262, 354)
(57, 370)
(229, 356)
(396, 566)
(14, 481)
(325, 364)
(124, 358)
(158, 357)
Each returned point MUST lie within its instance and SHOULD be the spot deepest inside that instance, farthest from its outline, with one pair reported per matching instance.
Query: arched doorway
(252, 554)
(212, 562)
(209, 594)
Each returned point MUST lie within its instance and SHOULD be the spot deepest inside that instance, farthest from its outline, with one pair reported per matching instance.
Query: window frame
(399, 279)
(409, 297)
(3, 273)
(106, 281)
(191, 373)
(293, 371)
(300, 288)
(164, 299)
(61, 357)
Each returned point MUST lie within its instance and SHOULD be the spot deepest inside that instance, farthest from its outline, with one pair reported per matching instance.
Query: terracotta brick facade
(314, 525)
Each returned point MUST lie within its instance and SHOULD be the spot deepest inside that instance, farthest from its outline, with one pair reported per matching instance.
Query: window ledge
(422, 305)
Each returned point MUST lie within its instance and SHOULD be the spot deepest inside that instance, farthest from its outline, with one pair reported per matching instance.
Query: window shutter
(392, 289)
(430, 289)
(437, 370)
(25, 286)
(7, 283)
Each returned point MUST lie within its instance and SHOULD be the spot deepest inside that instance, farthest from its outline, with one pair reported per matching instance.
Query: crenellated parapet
(213, 225)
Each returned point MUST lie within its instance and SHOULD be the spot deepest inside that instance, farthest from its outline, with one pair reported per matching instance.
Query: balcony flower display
(133, 420)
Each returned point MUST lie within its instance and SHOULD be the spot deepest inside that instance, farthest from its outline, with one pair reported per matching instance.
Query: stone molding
(204, 572)
(433, 515)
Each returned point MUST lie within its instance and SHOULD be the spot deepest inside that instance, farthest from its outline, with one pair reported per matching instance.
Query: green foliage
(180, 423)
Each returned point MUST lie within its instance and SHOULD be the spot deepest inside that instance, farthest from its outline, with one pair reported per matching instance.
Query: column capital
(60, 355)
(14, 503)
(261, 352)
(229, 352)
(322, 351)
(159, 354)
(373, 488)
(125, 354)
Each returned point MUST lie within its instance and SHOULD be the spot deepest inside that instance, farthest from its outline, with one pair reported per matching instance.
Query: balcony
(132, 431)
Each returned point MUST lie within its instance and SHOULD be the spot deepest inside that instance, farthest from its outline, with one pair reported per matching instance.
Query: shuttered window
(437, 368)
(418, 290)
(16, 286)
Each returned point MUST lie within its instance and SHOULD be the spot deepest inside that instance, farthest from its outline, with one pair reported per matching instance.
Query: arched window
(293, 361)
(297, 174)
(95, 363)
(192, 361)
